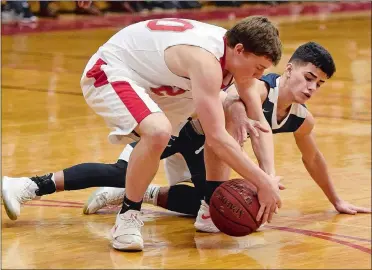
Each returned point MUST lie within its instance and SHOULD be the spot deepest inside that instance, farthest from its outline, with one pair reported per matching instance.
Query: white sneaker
(203, 221)
(151, 195)
(102, 197)
(126, 234)
(16, 191)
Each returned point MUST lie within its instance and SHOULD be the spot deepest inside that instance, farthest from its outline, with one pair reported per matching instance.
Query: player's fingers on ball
(266, 216)
(260, 212)
(270, 216)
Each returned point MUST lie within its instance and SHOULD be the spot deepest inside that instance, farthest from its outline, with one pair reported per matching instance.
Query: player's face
(248, 65)
(304, 81)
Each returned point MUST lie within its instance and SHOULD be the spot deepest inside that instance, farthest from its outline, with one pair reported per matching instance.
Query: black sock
(210, 187)
(130, 205)
(45, 184)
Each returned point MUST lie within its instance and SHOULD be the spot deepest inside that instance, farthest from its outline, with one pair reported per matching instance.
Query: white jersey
(141, 46)
(127, 78)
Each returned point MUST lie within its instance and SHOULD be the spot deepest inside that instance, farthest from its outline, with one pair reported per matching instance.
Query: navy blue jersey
(297, 112)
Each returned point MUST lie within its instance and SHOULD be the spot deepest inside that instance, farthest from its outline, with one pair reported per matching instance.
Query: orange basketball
(234, 206)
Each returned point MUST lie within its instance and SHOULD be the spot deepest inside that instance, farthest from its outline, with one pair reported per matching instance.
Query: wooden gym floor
(47, 126)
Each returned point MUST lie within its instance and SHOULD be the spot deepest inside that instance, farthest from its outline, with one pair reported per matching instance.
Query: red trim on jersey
(135, 105)
(131, 100)
(223, 63)
(98, 74)
(223, 58)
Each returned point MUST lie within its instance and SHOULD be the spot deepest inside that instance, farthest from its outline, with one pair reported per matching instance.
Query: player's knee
(159, 139)
(156, 131)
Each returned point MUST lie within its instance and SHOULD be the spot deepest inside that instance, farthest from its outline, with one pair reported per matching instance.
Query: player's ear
(239, 48)
(288, 70)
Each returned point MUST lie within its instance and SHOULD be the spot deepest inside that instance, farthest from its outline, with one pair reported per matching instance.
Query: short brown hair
(258, 36)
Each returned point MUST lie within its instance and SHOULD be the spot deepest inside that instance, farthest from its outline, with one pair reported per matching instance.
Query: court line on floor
(324, 233)
(316, 234)
(23, 88)
(322, 236)
(53, 205)
(64, 202)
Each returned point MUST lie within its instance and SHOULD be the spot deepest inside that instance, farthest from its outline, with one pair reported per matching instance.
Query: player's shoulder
(270, 79)
(265, 83)
(307, 125)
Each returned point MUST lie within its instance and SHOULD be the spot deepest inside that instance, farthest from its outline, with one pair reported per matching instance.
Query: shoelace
(117, 199)
(132, 222)
(102, 198)
(25, 195)
(104, 201)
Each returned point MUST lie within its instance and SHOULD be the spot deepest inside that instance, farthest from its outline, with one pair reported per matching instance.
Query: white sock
(151, 195)
(54, 181)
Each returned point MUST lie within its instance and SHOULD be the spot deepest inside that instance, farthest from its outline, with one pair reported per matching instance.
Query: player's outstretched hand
(253, 127)
(269, 199)
(244, 126)
(347, 208)
(277, 180)
(84, 4)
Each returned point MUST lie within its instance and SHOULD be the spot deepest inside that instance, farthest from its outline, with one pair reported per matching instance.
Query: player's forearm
(317, 169)
(228, 150)
(263, 148)
(263, 145)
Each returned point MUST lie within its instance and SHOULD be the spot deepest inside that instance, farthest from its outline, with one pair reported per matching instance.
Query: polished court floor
(47, 126)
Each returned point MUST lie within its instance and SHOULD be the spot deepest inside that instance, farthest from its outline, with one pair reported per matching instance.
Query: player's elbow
(214, 139)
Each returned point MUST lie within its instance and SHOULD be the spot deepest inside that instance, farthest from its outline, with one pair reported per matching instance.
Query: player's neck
(285, 98)
(228, 57)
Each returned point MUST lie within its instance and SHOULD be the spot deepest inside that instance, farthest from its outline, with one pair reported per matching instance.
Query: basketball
(234, 206)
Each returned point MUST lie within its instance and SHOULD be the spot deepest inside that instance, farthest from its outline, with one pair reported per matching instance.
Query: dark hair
(258, 36)
(315, 54)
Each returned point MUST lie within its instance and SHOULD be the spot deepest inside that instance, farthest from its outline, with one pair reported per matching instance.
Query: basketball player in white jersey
(283, 98)
(150, 76)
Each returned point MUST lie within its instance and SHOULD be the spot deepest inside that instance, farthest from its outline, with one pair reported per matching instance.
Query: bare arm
(316, 165)
(206, 77)
(263, 145)
(206, 80)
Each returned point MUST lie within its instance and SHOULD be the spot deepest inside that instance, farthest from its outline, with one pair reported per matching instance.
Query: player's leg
(183, 198)
(16, 191)
(177, 197)
(196, 163)
(216, 172)
(127, 108)
(181, 167)
(114, 194)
